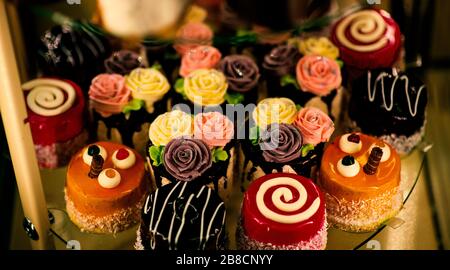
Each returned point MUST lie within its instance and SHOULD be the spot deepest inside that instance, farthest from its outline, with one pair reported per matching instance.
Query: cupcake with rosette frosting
(279, 64)
(200, 57)
(123, 62)
(243, 76)
(187, 148)
(202, 88)
(284, 139)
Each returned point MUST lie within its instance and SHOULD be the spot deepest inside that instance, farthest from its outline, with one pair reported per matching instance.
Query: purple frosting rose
(281, 143)
(187, 158)
(281, 60)
(123, 62)
(241, 72)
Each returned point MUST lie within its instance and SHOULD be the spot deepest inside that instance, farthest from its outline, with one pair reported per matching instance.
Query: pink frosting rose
(192, 35)
(214, 128)
(315, 125)
(318, 75)
(199, 58)
(108, 94)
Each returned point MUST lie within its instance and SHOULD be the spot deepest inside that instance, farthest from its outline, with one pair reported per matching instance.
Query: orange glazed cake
(360, 176)
(105, 188)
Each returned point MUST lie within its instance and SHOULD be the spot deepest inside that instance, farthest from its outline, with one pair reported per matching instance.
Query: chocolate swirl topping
(281, 143)
(123, 62)
(241, 72)
(187, 158)
(281, 60)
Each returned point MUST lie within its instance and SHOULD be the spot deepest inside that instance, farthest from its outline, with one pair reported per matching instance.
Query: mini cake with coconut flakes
(105, 188)
(360, 176)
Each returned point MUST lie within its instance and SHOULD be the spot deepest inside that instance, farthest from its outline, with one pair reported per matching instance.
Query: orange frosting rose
(315, 125)
(200, 57)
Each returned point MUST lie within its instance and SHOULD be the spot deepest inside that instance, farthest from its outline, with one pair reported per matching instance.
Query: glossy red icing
(47, 130)
(261, 229)
(382, 58)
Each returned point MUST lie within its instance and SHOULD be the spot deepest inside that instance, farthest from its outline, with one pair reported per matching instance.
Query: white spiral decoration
(367, 27)
(286, 205)
(47, 98)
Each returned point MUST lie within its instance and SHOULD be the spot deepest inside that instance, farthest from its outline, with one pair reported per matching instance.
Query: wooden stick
(18, 134)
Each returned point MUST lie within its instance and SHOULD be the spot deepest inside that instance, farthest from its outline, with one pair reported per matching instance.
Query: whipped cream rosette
(199, 149)
(55, 113)
(284, 139)
(149, 85)
(282, 211)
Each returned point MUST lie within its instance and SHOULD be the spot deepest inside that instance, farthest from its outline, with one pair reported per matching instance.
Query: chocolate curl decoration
(374, 160)
(96, 166)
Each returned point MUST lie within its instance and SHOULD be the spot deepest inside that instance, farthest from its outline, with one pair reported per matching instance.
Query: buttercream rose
(214, 128)
(198, 58)
(206, 87)
(192, 35)
(321, 46)
(147, 84)
(123, 62)
(315, 125)
(241, 72)
(187, 158)
(274, 110)
(108, 94)
(170, 125)
(318, 75)
(281, 143)
(281, 60)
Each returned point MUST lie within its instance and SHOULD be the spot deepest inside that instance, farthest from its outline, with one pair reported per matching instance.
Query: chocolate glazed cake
(390, 106)
(182, 216)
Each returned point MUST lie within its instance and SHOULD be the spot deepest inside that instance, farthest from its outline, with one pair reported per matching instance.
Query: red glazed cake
(283, 212)
(55, 113)
(367, 39)
(105, 188)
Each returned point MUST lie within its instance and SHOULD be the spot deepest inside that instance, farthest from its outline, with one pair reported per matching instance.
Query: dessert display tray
(67, 235)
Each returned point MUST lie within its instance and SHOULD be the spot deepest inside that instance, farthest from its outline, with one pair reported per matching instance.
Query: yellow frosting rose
(170, 125)
(274, 110)
(318, 46)
(147, 84)
(206, 87)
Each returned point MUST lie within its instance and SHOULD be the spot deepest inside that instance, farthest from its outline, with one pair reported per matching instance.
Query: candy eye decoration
(123, 158)
(350, 143)
(109, 178)
(348, 166)
(385, 148)
(94, 150)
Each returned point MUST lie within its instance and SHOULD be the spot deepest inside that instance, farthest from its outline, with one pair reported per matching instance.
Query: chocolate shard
(96, 166)
(374, 161)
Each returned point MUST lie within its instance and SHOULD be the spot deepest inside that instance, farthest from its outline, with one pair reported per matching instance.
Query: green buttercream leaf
(133, 105)
(234, 98)
(254, 135)
(156, 154)
(340, 63)
(218, 154)
(289, 79)
(298, 107)
(157, 66)
(306, 149)
(179, 87)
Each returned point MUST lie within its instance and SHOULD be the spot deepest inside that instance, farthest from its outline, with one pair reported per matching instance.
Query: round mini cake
(55, 113)
(105, 188)
(283, 212)
(360, 177)
(390, 105)
(367, 39)
(182, 216)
